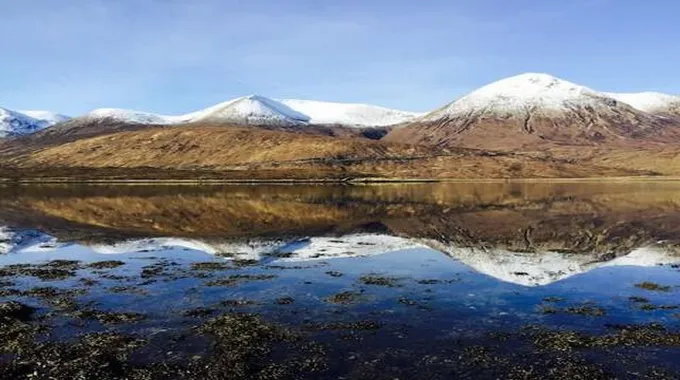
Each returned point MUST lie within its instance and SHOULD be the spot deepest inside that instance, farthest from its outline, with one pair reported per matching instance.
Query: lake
(487, 280)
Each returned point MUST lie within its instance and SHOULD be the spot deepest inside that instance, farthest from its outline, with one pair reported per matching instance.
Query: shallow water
(469, 280)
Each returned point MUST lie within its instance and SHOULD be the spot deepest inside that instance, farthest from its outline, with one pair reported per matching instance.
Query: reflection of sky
(462, 301)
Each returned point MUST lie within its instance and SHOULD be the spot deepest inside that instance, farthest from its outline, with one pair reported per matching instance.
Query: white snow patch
(522, 93)
(260, 110)
(46, 117)
(349, 114)
(253, 109)
(13, 123)
(648, 101)
(130, 116)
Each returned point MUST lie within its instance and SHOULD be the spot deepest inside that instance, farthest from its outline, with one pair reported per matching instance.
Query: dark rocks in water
(344, 298)
(110, 264)
(210, 266)
(652, 286)
(16, 310)
(108, 317)
(199, 312)
(285, 301)
(52, 271)
(239, 278)
(378, 280)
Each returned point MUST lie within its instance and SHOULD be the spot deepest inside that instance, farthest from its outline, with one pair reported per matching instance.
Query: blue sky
(175, 56)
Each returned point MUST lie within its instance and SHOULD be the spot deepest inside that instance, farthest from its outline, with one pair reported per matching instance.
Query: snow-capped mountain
(49, 118)
(349, 114)
(260, 110)
(522, 93)
(129, 116)
(531, 109)
(653, 102)
(251, 110)
(19, 123)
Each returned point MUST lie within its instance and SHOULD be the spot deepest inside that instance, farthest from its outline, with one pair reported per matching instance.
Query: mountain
(19, 123)
(652, 102)
(129, 116)
(349, 114)
(534, 110)
(206, 151)
(250, 110)
(262, 111)
(47, 117)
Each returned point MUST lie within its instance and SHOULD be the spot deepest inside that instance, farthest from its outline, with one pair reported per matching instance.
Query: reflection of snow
(283, 250)
(12, 241)
(543, 268)
(346, 246)
(522, 268)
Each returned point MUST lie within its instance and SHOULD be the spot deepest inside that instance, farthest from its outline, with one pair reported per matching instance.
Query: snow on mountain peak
(349, 114)
(251, 110)
(15, 123)
(129, 116)
(47, 117)
(260, 110)
(521, 93)
(648, 101)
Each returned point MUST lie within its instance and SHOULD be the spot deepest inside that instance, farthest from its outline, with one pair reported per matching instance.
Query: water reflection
(469, 280)
(524, 233)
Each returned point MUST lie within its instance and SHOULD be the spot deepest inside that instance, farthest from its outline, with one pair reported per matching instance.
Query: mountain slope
(49, 118)
(196, 151)
(534, 110)
(14, 123)
(250, 110)
(262, 111)
(652, 102)
(130, 116)
(349, 114)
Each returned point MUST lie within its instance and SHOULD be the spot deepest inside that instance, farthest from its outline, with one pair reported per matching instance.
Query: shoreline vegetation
(320, 181)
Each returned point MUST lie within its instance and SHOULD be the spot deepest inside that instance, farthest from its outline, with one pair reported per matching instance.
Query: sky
(177, 56)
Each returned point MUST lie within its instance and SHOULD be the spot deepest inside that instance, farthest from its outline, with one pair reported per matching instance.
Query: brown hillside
(616, 127)
(248, 153)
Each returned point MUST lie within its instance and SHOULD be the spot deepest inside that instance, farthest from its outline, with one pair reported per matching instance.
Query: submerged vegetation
(333, 305)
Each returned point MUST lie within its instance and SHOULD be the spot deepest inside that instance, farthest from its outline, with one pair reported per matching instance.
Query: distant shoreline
(323, 181)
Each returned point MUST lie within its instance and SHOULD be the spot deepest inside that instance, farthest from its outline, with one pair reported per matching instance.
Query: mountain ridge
(260, 110)
(21, 123)
(536, 111)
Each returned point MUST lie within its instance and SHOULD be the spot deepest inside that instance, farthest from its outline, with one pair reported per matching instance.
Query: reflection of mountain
(522, 268)
(283, 250)
(575, 217)
(300, 249)
(519, 222)
(12, 241)
(543, 268)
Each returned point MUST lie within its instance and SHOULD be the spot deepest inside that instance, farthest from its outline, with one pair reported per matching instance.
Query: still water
(432, 281)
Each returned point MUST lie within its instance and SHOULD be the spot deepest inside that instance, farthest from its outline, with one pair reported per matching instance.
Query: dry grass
(576, 217)
(200, 152)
